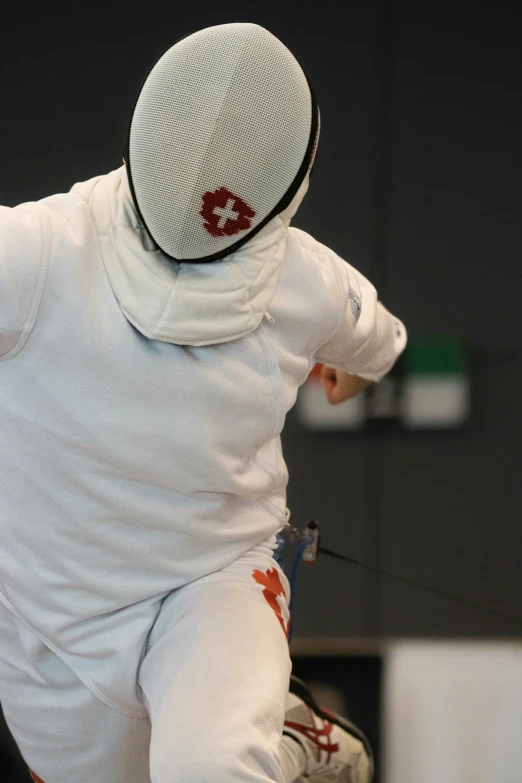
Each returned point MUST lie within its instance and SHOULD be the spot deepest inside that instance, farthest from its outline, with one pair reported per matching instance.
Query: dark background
(417, 183)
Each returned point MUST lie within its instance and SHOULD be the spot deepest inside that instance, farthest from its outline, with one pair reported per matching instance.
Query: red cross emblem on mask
(224, 213)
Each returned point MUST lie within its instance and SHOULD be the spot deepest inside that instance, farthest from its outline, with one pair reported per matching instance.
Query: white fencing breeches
(214, 677)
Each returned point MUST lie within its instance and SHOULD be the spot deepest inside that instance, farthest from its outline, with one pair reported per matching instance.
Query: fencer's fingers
(332, 383)
(328, 373)
(328, 379)
(343, 387)
(334, 394)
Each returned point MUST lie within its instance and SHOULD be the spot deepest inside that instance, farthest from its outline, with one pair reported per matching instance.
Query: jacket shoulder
(31, 235)
(24, 255)
(307, 243)
(309, 297)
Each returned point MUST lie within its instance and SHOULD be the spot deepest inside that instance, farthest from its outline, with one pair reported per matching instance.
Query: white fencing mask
(223, 133)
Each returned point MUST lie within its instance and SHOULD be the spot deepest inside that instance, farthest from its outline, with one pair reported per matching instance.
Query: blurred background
(417, 184)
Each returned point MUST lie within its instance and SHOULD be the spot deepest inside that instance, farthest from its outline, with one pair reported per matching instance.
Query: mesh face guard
(222, 135)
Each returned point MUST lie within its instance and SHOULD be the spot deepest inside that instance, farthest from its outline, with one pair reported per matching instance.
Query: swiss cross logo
(224, 213)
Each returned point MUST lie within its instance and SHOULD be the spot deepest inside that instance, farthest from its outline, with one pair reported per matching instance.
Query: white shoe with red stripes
(335, 749)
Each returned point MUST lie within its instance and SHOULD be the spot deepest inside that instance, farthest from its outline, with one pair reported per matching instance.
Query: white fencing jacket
(141, 406)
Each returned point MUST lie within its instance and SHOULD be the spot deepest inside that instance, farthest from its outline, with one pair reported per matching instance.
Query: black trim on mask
(280, 207)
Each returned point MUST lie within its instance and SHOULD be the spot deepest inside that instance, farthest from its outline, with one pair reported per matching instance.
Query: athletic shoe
(336, 750)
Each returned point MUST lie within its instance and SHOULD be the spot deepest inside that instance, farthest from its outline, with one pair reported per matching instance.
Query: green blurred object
(435, 391)
(437, 356)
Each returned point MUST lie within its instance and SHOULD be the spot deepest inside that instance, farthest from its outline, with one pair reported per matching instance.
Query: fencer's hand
(340, 386)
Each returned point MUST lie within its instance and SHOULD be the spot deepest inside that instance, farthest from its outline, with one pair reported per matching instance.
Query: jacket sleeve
(367, 339)
(23, 266)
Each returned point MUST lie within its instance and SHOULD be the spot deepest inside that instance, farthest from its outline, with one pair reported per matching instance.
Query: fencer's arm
(24, 250)
(366, 341)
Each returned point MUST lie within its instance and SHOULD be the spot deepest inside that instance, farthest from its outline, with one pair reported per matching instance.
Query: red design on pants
(35, 777)
(273, 588)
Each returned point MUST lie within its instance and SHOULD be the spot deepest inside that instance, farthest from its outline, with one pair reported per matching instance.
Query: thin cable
(428, 588)
(298, 559)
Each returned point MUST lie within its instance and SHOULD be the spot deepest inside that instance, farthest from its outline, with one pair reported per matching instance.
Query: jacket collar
(183, 303)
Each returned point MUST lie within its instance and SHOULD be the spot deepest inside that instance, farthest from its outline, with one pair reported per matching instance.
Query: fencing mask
(223, 133)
